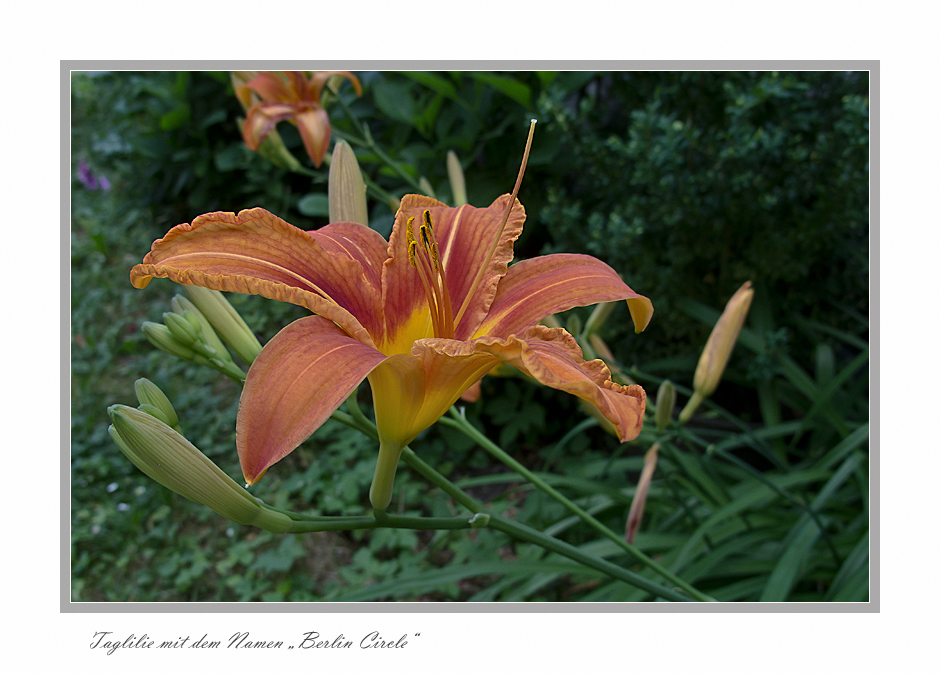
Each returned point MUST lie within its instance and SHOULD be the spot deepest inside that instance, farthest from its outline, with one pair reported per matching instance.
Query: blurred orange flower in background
(289, 96)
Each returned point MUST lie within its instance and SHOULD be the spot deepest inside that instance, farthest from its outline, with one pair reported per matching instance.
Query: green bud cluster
(154, 402)
(188, 333)
(223, 320)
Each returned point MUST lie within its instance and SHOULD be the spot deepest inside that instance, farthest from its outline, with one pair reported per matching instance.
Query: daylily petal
(359, 243)
(314, 126)
(256, 252)
(553, 357)
(273, 88)
(450, 368)
(261, 120)
(538, 287)
(300, 377)
(315, 85)
(465, 236)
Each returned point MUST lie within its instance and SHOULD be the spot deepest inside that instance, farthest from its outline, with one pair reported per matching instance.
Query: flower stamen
(426, 260)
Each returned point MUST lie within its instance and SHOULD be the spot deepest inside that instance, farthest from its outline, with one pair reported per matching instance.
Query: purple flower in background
(89, 179)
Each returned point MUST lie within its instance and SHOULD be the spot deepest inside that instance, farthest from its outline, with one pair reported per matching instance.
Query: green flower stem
(381, 520)
(512, 528)
(365, 140)
(526, 534)
(439, 480)
(362, 423)
(461, 423)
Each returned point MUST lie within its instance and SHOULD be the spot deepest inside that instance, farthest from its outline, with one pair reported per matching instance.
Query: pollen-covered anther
(412, 244)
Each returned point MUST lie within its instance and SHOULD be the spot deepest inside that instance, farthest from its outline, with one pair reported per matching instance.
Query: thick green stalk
(523, 532)
(462, 424)
(516, 530)
(527, 534)
(381, 520)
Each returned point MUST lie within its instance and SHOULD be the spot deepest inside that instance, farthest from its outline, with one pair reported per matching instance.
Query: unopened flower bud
(635, 517)
(225, 320)
(665, 403)
(458, 185)
(149, 395)
(188, 310)
(161, 337)
(168, 458)
(347, 191)
(156, 413)
(181, 329)
(714, 359)
(426, 187)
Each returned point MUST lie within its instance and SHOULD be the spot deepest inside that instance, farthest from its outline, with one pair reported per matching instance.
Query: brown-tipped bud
(721, 341)
(665, 404)
(347, 190)
(458, 185)
(635, 517)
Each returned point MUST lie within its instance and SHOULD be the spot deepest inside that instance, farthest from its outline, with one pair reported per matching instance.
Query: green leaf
(434, 82)
(431, 579)
(175, 118)
(856, 562)
(518, 91)
(395, 100)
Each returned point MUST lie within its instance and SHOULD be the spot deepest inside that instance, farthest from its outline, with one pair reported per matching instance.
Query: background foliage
(686, 183)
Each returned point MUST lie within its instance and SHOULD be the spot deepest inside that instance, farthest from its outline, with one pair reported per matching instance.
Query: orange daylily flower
(422, 316)
(293, 97)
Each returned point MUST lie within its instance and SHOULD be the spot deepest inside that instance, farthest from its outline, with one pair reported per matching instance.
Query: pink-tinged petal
(552, 357)
(359, 243)
(261, 120)
(300, 377)
(258, 253)
(465, 236)
(314, 126)
(273, 88)
(315, 85)
(451, 367)
(539, 287)
(297, 83)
